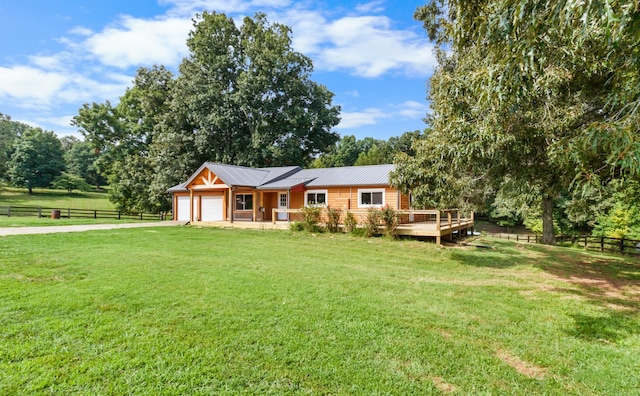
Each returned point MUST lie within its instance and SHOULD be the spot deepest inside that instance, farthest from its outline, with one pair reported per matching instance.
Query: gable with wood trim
(218, 192)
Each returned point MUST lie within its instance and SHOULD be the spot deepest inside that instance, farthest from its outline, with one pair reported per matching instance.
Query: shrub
(372, 222)
(391, 221)
(350, 222)
(333, 219)
(311, 218)
(296, 226)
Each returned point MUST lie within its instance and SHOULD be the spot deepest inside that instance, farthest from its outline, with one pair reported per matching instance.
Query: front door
(282, 204)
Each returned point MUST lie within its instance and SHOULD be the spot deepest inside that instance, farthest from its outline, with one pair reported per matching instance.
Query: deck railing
(445, 218)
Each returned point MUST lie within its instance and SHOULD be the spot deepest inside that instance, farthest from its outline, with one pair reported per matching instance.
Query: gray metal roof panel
(284, 184)
(178, 188)
(370, 175)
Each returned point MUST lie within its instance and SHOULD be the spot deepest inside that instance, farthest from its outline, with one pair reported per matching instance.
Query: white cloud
(373, 6)
(372, 116)
(366, 46)
(357, 119)
(138, 42)
(29, 86)
(412, 109)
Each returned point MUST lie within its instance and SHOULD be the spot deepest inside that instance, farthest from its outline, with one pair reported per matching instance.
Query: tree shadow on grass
(612, 327)
(607, 281)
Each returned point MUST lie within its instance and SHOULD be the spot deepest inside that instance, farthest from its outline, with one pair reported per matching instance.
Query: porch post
(255, 205)
(191, 207)
(231, 204)
(288, 205)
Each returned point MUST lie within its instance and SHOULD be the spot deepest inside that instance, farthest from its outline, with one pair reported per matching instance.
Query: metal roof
(370, 175)
(234, 175)
(178, 188)
(286, 177)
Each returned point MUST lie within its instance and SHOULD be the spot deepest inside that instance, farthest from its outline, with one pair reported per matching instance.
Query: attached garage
(184, 209)
(212, 208)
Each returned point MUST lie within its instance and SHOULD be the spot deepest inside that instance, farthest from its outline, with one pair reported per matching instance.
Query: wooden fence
(589, 242)
(69, 213)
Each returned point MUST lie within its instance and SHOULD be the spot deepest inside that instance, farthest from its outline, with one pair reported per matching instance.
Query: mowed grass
(57, 199)
(190, 310)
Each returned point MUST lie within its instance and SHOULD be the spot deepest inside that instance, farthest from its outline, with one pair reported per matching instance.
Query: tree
(350, 151)
(122, 135)
(80, 159)
(36, 160)
(245, 97)
(70, 182)
(10, 132)
(519, 98)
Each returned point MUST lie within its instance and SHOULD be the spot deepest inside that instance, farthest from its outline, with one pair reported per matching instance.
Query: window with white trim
(316, 197)
(244, 201)
(371, 198)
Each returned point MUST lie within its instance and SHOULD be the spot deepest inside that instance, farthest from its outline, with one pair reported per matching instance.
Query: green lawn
(189, 310)
(54, 199)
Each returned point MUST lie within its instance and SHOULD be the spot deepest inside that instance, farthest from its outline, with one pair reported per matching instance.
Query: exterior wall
(404, 202)
(347, 197)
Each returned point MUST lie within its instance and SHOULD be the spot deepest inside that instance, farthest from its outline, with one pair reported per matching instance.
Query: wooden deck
(438, 224)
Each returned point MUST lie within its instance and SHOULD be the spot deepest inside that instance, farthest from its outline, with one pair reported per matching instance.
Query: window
(244, 201)
(371, 198)
(316, 197)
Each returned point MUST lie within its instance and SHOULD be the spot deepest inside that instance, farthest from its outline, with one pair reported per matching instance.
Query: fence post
(517, 237)
(118, 215)
(528, 238)
(95, 214)
(39, 212)
(68, 213)
(602, 244)
(140, 215)
(585, 242)
(621, 245)
(8, 211)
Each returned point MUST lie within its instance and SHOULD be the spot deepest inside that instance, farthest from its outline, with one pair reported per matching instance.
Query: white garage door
(184, 209)
(212, 208)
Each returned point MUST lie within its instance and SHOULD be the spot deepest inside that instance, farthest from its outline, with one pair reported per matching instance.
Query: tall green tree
(81, 158)
(36, 159)
(243, 97)
(10, 132)
(520, 103)
(122, 135)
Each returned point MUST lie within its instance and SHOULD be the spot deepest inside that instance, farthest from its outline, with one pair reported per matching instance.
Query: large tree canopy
(36, 159)
(123, 136)
(243, 97)
(530, 98)
(10, 132)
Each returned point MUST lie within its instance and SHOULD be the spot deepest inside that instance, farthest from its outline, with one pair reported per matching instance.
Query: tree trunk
(548, 236)
(30, 190)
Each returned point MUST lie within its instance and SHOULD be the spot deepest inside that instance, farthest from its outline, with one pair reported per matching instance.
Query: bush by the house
(333, 219)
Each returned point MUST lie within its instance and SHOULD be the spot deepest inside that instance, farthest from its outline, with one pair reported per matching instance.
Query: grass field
(58, 199)
(190, 310)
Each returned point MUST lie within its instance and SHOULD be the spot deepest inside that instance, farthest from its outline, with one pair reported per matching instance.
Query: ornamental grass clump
(333, 219)
(391, 221)
(372, 222)
(350, 222)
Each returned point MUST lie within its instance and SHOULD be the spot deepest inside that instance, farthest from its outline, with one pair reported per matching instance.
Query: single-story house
(218, 192)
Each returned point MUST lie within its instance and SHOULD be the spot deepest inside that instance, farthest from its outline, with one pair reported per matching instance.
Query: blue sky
(55, 56)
